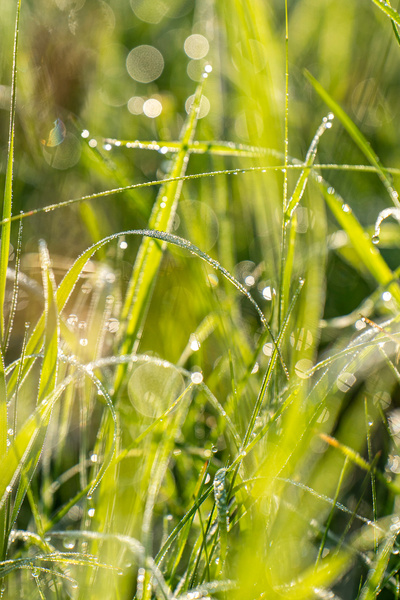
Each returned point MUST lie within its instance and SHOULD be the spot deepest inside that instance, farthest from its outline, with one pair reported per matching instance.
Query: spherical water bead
(346, 208)
(85, 134)
(91, 512)
(375, 239)
(194, 343)
(196, 377)
(69, 544)
(386, 296)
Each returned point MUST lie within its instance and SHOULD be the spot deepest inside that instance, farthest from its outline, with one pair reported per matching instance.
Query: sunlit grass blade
(356, 135)
(360, 241)
(48, 373)
(14, 299)
(308, 162)
(388, 10)
(372, 586)
(150, 253)
(8, 190)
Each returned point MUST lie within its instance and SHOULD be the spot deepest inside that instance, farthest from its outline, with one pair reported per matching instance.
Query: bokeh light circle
(152, 108)
(135, 105)
(145, 63)
(196, 46)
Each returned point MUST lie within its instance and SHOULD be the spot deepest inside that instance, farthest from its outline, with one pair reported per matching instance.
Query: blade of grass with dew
(159, 467)
(8, 190)
(360, 241)
(14, 299)
(135, 186)
(388, 10)
(221, 503)
(186, 530)
(150, 253)
(357, 137)
(48, 372)
(24, 451)
(3, 450)
(372, 586)
(308, 163)
(68, 283)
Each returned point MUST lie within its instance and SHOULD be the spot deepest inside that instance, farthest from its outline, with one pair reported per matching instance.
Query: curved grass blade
(356, 135)
(7, 200)
(67, 285)
(308, 163)
(360, 241)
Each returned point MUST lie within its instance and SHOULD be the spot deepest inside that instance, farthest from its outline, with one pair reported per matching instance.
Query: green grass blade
(372, 586)
(14, 299)
(309, 160)
(388, 10)
(150, 253)
(3, 408)
(360, 241)
(67, 285)
(7, 200)
(48, 373)
(356, 135)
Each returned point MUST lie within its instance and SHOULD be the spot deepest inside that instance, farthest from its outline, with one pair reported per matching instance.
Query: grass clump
(199, 350)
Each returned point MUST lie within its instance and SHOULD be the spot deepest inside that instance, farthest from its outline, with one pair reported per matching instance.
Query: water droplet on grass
(196, 377)
(375, 239)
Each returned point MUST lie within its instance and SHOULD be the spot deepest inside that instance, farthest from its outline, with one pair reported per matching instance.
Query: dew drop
(69, 544)
(91, 512)
(346, 208)
(375, 239)
(196, 377)
(83, 342)
(85, 133)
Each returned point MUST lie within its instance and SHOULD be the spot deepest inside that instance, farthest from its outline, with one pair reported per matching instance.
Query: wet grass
(199, 312)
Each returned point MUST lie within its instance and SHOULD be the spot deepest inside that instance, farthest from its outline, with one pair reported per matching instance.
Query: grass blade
(362, 244)
(7, 200)
(48, 373)
(150, 253)
(388, 10)
(356, 135)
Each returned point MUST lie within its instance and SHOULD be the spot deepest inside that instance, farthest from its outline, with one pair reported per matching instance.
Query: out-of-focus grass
(199, 358)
